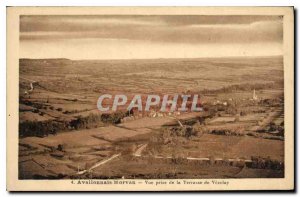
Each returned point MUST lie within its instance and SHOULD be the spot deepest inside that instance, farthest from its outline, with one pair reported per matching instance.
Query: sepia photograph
(151, 98)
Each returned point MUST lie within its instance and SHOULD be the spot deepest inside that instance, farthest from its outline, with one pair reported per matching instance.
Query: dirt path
(99, 164)
(31, 83)
(265, 121)
(138, 152)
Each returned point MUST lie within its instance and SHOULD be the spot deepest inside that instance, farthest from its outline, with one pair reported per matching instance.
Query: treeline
(242, 87)
(114, 118)
(87, 122)
(40, 128)
(51, 127)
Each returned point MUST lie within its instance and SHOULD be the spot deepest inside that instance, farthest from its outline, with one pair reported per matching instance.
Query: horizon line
(219, 57)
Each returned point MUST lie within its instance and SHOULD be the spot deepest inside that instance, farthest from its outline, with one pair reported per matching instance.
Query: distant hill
(156, 59)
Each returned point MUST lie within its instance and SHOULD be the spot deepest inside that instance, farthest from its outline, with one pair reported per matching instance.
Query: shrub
(114, 118)
(39, 128)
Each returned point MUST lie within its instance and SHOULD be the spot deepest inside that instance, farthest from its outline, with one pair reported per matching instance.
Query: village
(168, 103)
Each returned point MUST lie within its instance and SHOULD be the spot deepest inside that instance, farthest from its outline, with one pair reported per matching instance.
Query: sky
(149, 37)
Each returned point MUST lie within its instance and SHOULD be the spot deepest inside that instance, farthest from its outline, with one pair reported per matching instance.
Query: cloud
(152, 33)
(156, 29)
(85, 22)
(81, 23)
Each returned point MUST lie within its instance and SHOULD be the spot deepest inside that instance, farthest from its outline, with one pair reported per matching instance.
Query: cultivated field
(239, 134)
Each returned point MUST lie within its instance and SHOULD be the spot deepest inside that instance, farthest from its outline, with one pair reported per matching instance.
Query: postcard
(150, 98)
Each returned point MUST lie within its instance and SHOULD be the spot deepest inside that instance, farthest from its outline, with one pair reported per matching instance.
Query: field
(239, 133)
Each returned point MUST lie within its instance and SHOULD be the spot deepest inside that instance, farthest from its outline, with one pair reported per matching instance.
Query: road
(31, 83)
(99, 164)
(138, 153)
